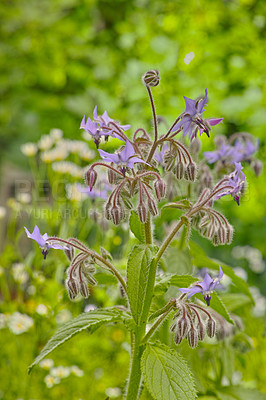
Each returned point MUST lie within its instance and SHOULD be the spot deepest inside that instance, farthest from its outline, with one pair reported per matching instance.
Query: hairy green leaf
(166, 374)
(91, 320)
(138, 277)
(136, 227)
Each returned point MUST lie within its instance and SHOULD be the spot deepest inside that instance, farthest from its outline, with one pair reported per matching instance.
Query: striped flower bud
(215, 240)
(117, 214)
(151, 78)
(178, 339)
(211, 230)
(195, 146)
(152, 206)
(160, 188)
(69, 252)
(90, 177)
(191, 171)
(142, 212)
(201, 331)
(72, 287)
(173, 327)
(257, 165)
(192, 337)
(210, 327)
(222, 232)
(229, 234)
(112, 175)
(182, 326)
(84, 290)
(180, 170)
(107, 211)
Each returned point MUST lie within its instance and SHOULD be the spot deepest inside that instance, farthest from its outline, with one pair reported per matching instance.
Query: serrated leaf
(90, 320)
(138, 277)
(136, 227)
(201, 260)
(178, 259)
(166, 374)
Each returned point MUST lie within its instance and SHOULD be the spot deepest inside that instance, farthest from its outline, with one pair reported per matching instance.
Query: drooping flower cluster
(235, 184)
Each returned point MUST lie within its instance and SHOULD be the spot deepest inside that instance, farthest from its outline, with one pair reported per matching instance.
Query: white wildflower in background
(41, 309)
(87, 155)
(73, 194)
(45, 143)
(19, 273)
(89, 307)
(24, 198)
(50, 381)
(68, 167)
(63, 316)
(19, 323)
(57, 154)
(60, 372)
(113, 392)
(40, 278)
(76, 371)
(29, 149)
(56, 134)
(46, 364)
(189, 57)
(31, 290)
(2, 212)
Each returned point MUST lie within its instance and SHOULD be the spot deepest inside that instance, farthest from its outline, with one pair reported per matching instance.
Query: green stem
(148, 234)
(168, 240)
(135, 371)
(157, 323)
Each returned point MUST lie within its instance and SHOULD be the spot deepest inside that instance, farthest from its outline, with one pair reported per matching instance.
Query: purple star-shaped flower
(125, 159)
(244, 150)
(205, 287)
(191, 121)
(106, 122)
(93, 129)
(41, 240)
(159, 155)
(224, 153)
(236, 180)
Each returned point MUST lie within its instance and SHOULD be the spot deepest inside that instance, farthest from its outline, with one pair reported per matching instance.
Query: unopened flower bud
(159, 187)
(112, 175)
(257, 166)
(195, 146)
(173, 327)
(152, 206)
(84, 290)
(211, 230)
(117, 214)
(170, 163)
(222, 232)
(182, 326)
(151, 78)
(69, 252)
(191, 171)
(215, 240)
(107, 210)
(72, 287)
(229, 234)
(90, 177)
(201, 331)
(192, 337)
(178, 339)
(179, 170)
(210, 327)
(142, 212)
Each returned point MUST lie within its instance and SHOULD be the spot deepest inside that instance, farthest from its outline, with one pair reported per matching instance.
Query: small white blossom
(113, 392)
(19, 323)
(63, 316)
(19, 274)
(45, 143)
(41, 309)
(189, 57)
(50, 381)
(29, 149)
(60, 372)
(46, 364)
(56, 134)
(24, 198)
(76, 371)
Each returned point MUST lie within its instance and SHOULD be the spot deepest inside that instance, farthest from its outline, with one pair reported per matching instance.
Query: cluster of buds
(178, 159)
(190, 324)
(79, 274)
(214, 226)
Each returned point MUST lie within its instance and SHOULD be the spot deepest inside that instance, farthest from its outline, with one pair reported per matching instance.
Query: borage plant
(143, 172)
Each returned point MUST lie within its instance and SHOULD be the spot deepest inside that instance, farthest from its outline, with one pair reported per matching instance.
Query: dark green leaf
(136, 227)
